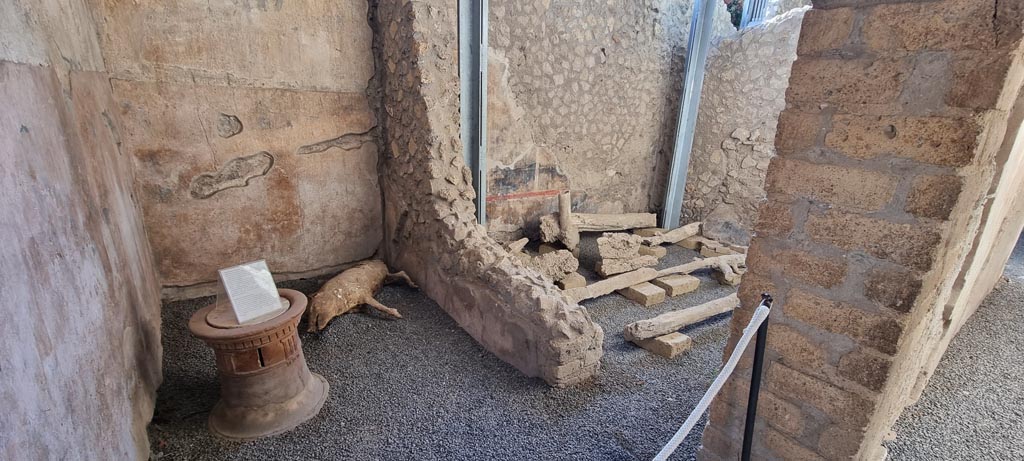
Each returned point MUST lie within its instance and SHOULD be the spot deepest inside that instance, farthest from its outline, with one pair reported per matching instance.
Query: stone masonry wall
(889, 145)
(251, 133)
(582, 95)
(744, 91)
(80, 335)
(430, 227)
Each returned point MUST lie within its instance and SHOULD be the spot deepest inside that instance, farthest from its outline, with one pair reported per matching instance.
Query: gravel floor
(973, 407)
(421, 388)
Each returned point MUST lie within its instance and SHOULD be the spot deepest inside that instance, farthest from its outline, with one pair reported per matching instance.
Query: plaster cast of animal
(352, 288)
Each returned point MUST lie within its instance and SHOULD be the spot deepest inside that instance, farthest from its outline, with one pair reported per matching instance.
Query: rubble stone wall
(80, 335)
(430, 227)
(894, 149)
(251, 132)
(582, 95)
(744, 91)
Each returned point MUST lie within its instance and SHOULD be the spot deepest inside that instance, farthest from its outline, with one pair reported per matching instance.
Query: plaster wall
(582, 95)
(250, 130)
(734, 139)
(80, 335)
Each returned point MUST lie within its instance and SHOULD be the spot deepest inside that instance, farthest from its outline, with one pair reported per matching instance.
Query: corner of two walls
(430, 227)
(81, 335)
(582, 102)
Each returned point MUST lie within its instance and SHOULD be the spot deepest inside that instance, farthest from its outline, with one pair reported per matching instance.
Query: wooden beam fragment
(674, 235)
(570, 231)
(610, 285)
(670, 322)
(668, 346)
(589, 222)
(646, 274)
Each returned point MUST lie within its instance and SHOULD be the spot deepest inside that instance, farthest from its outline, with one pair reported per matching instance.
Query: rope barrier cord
(748, 333)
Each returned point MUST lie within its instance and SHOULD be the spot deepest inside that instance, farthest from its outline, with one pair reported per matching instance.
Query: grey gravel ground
(421, 388)
(973, 406)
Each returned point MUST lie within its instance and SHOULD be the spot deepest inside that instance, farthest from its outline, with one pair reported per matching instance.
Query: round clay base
(241, 424)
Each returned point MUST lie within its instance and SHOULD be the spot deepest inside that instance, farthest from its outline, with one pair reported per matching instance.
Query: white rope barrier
(748, 333)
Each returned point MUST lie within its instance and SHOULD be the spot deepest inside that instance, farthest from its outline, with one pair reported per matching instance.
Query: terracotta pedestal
(266, 387)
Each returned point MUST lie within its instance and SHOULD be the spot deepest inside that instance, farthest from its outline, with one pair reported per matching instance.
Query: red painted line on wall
(539, 193)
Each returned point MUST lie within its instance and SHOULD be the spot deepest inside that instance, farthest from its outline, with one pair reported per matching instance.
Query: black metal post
(755, 381)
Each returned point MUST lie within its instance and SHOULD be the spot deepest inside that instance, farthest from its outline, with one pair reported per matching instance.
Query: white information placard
(251, 290)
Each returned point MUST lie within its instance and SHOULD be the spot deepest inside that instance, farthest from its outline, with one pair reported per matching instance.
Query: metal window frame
(754, 12)
(701, 29)
(473, 26)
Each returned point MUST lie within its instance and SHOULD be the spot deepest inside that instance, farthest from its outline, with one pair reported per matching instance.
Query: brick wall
(896, 114)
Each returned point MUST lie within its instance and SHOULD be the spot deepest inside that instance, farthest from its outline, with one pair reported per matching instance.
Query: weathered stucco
(251, 133)
(430, 227)
(582, 95)
(80, 335)
(744, 91)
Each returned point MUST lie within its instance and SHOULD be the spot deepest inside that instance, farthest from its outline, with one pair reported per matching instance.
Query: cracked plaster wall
(430, 227)
(81, 306)
(744, 92)
(582, 95)
(251, 131)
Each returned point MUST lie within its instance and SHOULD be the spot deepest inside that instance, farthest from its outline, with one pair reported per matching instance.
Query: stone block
(783, 447)
(825, 30)
(933, 196)
(894, 289)
(940, 141)
(649, 231)
(978, 79)
(798, 131)
(910, 245)
(797, 350)
(677, 284)
(876, 330)
(668, 346)
(865, 367)
(574, 280)
(799, 265)
(607, 267)
(946, 25)
(774, 218)
(841, 406)
(847, 81)
(840, 442)
(644, 293)
(657, 251)
(618, 245)
(847, 187)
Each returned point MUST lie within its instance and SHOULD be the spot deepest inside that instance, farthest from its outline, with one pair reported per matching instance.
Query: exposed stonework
(582, 95)
(251, 133)
(556, 264)
(876, 238)
(430, 228)
(744, 91)
(614, 245)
